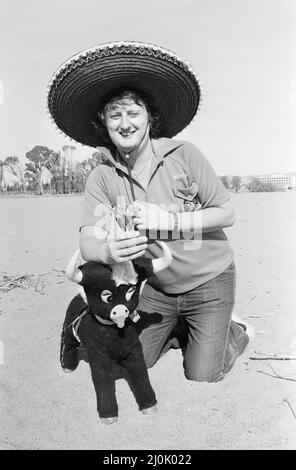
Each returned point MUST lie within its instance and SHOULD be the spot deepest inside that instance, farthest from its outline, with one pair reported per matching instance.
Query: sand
(43, 408)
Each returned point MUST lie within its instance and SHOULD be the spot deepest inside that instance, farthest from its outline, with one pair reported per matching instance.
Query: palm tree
(45, 179)
(68, 167)
(41, 157)
(11, 173)
(3, 186)
(14, 167)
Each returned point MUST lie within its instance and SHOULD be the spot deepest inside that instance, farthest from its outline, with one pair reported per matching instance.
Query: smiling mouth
(126, 134)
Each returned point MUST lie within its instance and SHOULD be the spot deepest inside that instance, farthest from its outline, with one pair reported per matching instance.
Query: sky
(243, 51)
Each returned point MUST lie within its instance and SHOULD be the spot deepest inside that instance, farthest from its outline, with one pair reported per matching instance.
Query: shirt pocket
(187, 197)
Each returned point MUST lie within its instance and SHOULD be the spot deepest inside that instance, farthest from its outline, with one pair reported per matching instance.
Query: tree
(97, 158)
(40, 157)
(83, 169)
(258, 186)
(236, 183)
(56, 169)
(47, 168)
(67, 164)
(12, 173)
(225, 181)
(2, 180)
(17, 170)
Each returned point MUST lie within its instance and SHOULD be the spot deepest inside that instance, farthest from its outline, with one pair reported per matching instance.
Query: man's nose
(125, 124)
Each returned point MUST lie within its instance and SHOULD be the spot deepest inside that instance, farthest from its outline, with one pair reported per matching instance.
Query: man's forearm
(94, 249)
(205, 220)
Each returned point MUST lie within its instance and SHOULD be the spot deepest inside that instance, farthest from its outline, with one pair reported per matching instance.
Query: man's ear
(143, 267)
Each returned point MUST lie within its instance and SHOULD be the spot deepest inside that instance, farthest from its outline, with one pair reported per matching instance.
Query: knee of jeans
(199, 376)
(149, 358)
(149, 363)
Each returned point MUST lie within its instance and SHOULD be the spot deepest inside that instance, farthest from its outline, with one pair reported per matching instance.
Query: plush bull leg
(101, 366)
(139, 380)
(69, 357)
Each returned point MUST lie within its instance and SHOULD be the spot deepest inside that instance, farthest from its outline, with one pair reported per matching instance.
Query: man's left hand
(149, 216)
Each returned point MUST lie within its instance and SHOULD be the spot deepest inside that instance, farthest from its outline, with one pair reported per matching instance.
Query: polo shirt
(181, 179)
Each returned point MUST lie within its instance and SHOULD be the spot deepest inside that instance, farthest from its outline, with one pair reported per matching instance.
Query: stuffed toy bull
(105, 325)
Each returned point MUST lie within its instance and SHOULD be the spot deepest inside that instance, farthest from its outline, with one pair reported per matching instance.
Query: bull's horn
(162, 262)
(72, 272)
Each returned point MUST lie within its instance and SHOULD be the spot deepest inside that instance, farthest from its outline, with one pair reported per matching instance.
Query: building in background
(284, 181)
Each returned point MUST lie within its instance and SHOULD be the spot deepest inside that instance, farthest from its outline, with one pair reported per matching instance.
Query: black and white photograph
(147, 227)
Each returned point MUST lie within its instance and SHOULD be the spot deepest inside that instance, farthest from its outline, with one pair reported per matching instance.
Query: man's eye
(115, 114)
(106, 296)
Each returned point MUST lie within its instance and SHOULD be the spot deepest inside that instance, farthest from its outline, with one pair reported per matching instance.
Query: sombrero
(77, 89)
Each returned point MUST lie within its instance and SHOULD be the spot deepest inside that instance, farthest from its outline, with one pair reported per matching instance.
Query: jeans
(199, 321)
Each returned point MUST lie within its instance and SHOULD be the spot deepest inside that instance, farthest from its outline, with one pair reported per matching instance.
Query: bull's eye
(106, 296)
(130, 292)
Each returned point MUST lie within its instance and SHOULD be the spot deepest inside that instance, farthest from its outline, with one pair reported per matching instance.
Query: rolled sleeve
(211, 191)
(97, 207)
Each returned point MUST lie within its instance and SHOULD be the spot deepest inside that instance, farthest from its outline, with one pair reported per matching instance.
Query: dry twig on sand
(10, 282)
(290, 406)
(26, 281)
(276, 375)
(271, 357)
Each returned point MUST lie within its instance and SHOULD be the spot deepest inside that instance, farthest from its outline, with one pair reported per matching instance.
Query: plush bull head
(112, 291)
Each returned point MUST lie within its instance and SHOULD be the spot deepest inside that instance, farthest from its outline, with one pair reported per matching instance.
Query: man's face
(127, 124)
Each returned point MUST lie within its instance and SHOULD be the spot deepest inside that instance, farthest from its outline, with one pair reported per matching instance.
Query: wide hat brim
(78, 88)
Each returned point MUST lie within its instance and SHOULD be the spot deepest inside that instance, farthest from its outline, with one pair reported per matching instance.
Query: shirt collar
(161, 148)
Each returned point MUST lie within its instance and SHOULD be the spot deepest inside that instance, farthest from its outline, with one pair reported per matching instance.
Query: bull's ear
(93, 273)
(143, 267)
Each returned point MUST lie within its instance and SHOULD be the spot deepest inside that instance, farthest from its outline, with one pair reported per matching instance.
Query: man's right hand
(126, 246)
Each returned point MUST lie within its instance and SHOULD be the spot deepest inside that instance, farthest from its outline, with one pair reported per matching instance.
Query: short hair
(116, 98)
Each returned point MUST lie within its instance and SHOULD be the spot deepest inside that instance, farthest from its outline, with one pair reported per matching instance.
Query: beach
(43, 408)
